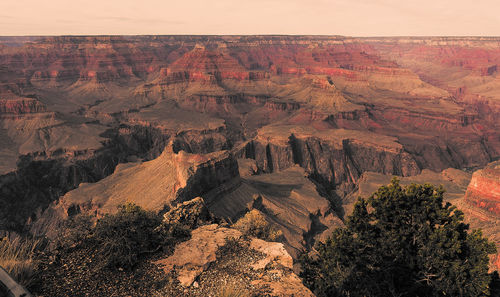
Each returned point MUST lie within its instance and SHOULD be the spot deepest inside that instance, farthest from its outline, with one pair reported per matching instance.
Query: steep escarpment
(334, 157)
(60, 158)
(465, 67)
(480, 205)
(301, 209)
(484, 189)
(155, 185)
(18, 106)
(35, 184)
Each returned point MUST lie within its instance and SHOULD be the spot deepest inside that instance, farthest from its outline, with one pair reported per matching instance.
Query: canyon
(296, 127)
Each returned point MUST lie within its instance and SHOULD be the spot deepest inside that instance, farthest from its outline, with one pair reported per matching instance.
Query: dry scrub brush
(17, 257)
(232, 290)
(255, 224)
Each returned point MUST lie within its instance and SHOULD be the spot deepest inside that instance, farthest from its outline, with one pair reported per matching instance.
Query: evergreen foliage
(402, 241)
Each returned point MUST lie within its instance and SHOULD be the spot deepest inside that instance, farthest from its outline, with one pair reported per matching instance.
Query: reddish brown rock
(484, 189)
(435, 98)
(288, 200)
(153, 185)
(338, 156)
(20, 106)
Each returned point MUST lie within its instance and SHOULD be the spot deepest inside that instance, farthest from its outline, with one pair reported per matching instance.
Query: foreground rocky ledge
(257, 266)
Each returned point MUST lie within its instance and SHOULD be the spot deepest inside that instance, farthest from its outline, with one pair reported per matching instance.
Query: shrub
(75, 230)
(255, 224)
(126, 235)
(120, 239)
(401, 242)
(17, 258)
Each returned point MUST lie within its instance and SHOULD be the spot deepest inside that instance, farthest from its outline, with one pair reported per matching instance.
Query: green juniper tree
(402, 241)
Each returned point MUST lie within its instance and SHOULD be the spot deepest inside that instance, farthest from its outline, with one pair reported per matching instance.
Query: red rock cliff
(484, 189)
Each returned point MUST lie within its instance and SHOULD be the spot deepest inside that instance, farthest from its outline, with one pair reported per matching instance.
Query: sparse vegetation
(126, 235)
(402, 242)
(17, 257)
(75, 230)
(120, 239)
(232, 246)
(254, 224)
(116, 246)
(232, 290)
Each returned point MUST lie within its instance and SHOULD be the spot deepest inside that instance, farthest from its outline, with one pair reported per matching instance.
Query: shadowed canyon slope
(294, 126)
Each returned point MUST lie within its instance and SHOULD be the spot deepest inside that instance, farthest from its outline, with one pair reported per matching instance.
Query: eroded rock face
(484, 189)
(480, 205)
(337, 107)
(288, 200)
(20, 106)
(153, 185)
(336, 157)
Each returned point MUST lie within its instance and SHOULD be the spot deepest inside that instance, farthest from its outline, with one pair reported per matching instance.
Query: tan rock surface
(274, 253)
(152, 185)
(289, 201)
(195, 256)
(192, 257)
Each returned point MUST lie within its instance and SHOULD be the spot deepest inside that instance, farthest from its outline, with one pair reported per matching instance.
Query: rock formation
(484, 189)
(153, 185)
(270, 271)
(289, 201)
(294, 126)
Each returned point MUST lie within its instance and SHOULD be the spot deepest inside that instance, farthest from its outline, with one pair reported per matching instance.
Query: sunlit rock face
(267, 122)
(484, 189)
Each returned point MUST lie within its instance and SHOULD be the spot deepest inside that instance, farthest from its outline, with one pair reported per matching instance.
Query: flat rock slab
(192, 257)
(274, 252)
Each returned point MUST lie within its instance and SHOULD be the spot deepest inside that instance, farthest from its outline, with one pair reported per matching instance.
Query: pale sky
(323, 17)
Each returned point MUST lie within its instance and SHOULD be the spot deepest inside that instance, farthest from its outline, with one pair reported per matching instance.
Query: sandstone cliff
(153, 185)
(335, 157)
(484, 189)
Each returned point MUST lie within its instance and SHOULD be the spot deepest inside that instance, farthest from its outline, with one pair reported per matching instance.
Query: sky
(218, 17)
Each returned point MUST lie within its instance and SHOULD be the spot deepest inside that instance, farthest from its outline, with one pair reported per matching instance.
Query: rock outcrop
(336, 157)
(288, 200)
(20, 106)
(194, 256)
(484, 189)
(480, 205)
(195, 263)
(153, 185)
(191, 213)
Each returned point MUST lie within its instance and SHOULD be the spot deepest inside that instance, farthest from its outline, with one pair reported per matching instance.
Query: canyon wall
(76, 112)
